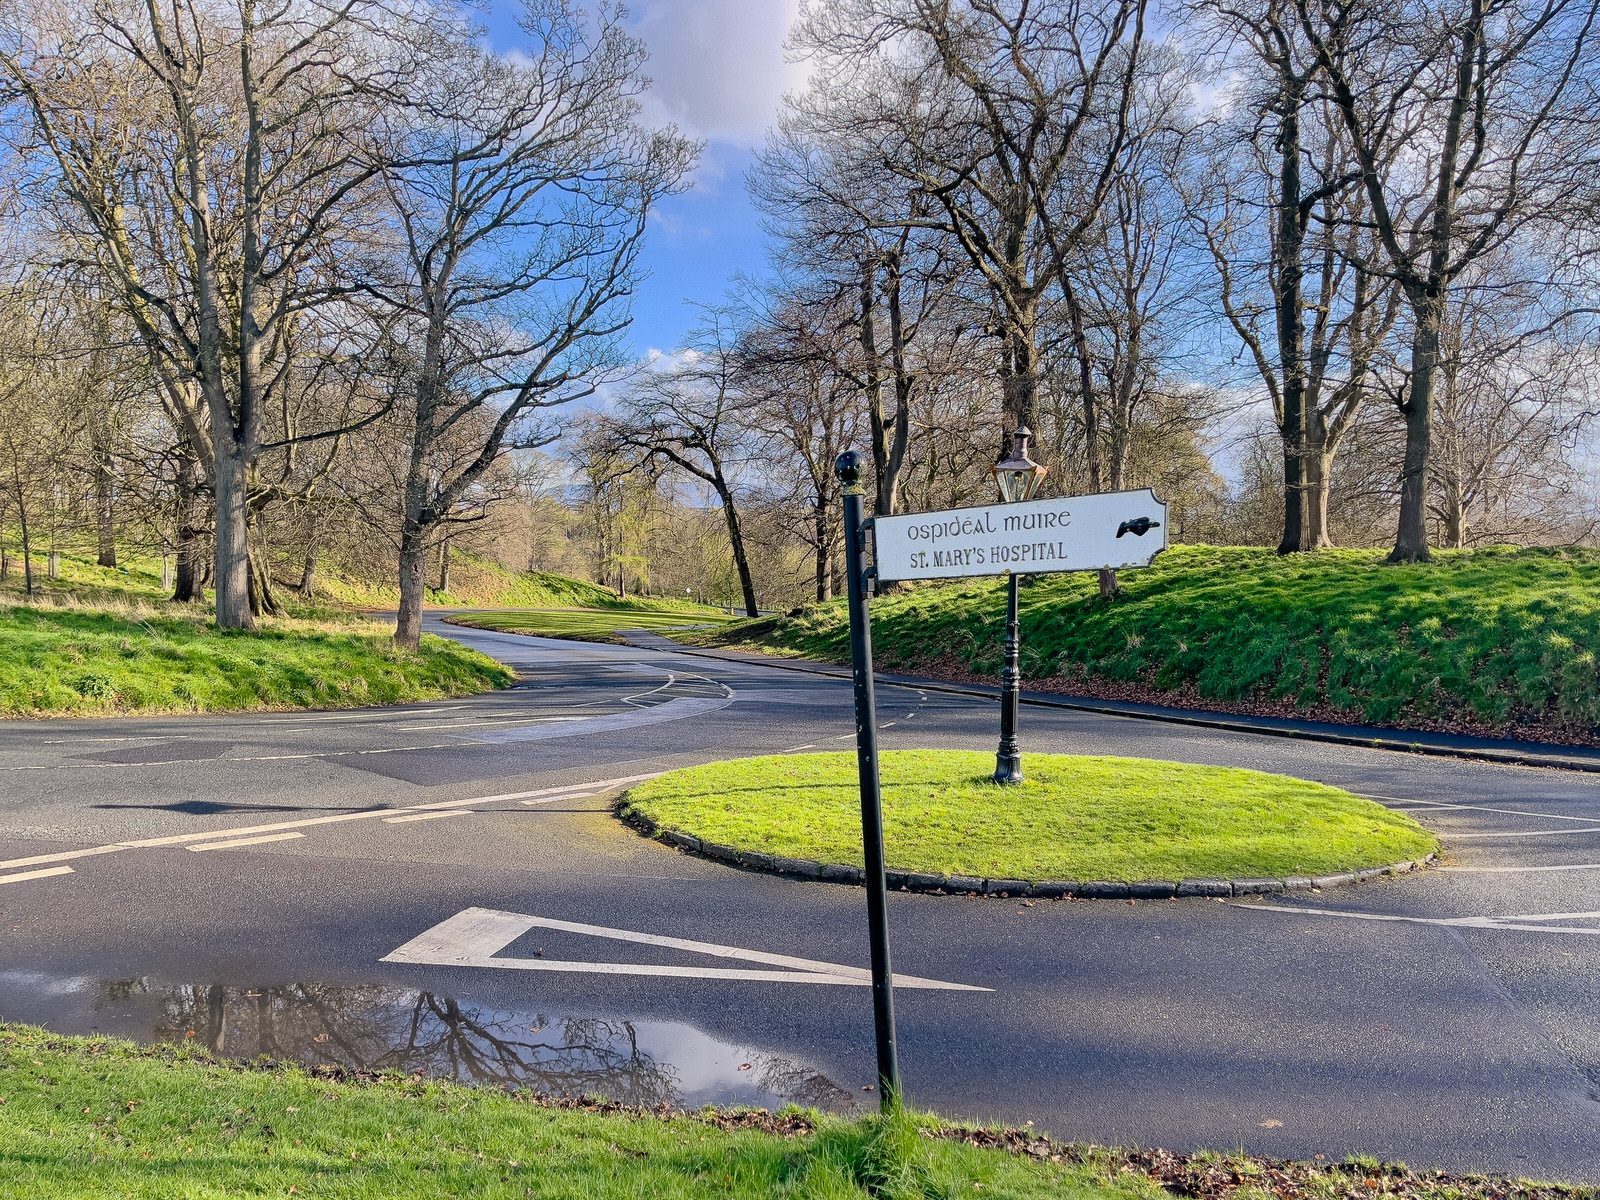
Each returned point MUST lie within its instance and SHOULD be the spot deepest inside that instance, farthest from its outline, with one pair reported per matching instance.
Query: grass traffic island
(138, 657)
(1075, 826)
(593, 624)
(86, 1118)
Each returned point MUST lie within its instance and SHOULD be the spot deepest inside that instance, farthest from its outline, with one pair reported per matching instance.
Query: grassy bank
(1073, 818)
(92, 1118)
(1495, 640)
(160, 658)
(593, 624)
(480, 583)
(89, 1118)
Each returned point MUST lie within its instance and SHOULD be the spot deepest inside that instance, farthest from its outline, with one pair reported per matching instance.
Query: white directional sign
(1070, 533)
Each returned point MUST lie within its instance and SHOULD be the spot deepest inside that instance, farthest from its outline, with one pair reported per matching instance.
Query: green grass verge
(137, 577)
(592, 624)
(1498, 639)
(84, 661)
(84, 1118)
(1073, 818)
(481, 583)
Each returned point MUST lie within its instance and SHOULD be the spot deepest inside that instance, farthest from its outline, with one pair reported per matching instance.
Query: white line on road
(428, 816)
(554, 799)
(365, 814)
(462, 722)
(1529, 922)
(237, 843)
(474, 936)
(1523, 833)
(127, 737)
(1522, 870)
(1514, 812)
(24, 876)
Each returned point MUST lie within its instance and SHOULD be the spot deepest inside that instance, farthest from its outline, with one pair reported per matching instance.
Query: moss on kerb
(1077, 826)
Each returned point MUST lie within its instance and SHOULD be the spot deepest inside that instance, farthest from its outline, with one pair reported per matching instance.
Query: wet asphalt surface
(1449, 1018)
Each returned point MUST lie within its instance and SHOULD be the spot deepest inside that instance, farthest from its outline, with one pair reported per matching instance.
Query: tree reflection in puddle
(390, 1029)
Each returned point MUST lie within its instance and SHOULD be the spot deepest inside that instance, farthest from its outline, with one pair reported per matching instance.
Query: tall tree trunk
(1288, 300)
(187, 587)
(867, 334)
(1455, 512)
(27, 541)
(444, 565)
(308, 573)
(741, 560)
(1093, 451)
(263, 601)
(1319, 479)
(413, 560)
(105, 501)
(824, 556)
(1411, 537)
(232, 555)
(1020, 382)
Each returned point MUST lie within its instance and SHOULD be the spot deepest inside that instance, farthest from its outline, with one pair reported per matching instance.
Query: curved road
(441, 887)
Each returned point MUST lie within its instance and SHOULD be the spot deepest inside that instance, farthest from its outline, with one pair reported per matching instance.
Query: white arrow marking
(474, 937)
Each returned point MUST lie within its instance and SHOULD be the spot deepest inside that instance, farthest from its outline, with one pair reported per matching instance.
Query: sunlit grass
(141, 656)
(89, 1118)
(594, 625)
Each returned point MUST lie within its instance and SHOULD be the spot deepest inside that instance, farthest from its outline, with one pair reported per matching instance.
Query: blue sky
(719, 73)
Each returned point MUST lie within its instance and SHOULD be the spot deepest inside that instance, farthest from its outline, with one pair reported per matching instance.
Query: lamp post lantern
(1017, 477)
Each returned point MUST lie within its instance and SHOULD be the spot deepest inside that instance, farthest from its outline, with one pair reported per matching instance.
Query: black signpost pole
(848, 469)
(1008, 759)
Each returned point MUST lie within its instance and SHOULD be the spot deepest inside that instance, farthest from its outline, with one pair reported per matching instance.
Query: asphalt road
(243, 880)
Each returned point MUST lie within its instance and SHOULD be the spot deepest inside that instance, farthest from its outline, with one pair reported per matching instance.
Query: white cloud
(718, 65)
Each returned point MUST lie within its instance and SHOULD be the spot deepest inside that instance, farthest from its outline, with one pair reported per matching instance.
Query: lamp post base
(1008, 768)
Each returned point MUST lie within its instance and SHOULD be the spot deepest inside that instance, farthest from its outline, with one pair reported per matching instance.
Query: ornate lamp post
(1018, 478)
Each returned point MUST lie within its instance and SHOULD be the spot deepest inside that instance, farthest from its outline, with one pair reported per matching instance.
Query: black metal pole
(1008, 759)
(848, 469)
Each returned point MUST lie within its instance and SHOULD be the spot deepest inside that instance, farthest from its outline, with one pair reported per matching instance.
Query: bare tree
(694, 415)
(990, 111)
(1469, 121)
(519, 230)
(217, 163)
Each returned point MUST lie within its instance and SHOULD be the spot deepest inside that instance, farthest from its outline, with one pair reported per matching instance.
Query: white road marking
(473, 938)
(807, 746)
(1521, 870)
(128, 737)
(554, 799)
(427, 816)
(1532, 921)
(671, 679)
(1515, 812)
(236, 843)
(463, 722)
(24, 876)
(365, 814)
(1523, 833)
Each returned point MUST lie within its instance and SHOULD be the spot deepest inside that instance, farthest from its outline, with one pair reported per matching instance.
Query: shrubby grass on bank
(145, 658)
(1500, 639)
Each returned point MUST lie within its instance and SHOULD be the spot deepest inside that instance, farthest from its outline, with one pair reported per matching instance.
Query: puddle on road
(392, 1029)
